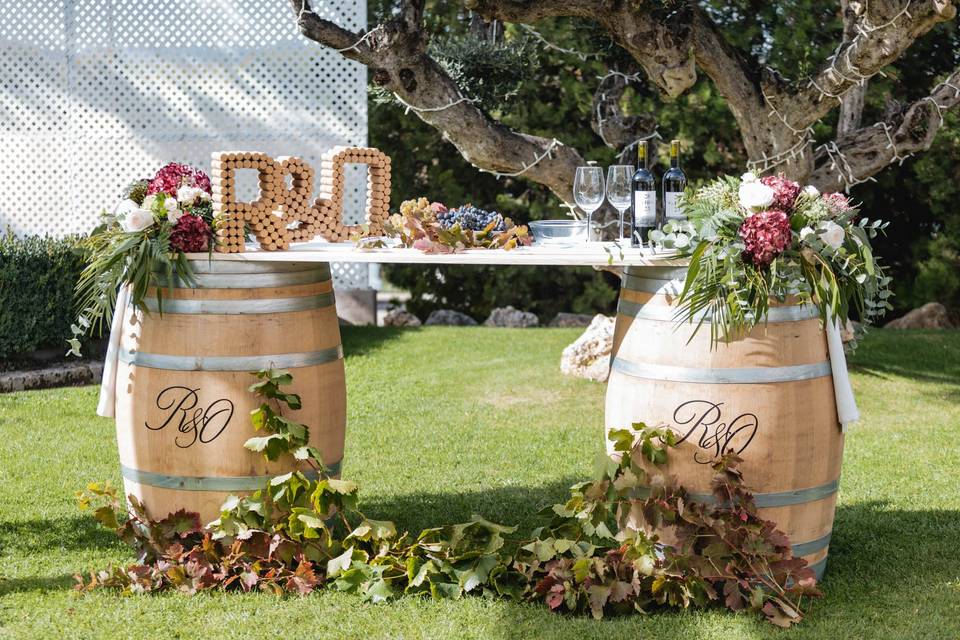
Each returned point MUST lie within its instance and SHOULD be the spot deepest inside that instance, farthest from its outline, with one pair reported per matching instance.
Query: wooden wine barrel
(183, 405)
(768, 396)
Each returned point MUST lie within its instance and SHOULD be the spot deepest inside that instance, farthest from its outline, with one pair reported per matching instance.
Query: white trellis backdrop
(94, 93)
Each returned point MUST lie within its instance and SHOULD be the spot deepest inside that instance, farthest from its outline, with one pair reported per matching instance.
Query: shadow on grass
(874, 545)
(50, 583)
(43, 536)
(924, 355)
(358, 341)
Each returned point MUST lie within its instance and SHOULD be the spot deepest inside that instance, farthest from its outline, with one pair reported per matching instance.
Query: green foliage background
(923, 245)
(37, 276)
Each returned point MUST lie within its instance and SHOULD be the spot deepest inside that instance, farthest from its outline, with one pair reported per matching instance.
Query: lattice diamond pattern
(96, 92)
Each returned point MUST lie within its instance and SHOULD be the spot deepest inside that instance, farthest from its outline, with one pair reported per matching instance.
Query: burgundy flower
(785, 191)
(766, 235)
(837, 201)
(175, 175)
(190, 235)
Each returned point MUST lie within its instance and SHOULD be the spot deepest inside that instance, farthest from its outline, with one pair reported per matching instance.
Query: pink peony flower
(175, 175)
(837, 201)
(785, 191)
(190, 235)
(766, 235)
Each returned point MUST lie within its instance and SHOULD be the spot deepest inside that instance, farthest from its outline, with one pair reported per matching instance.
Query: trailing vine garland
(597, 552)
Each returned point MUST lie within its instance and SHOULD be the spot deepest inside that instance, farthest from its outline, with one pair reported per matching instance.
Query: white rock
(589, 356)
(510, 317)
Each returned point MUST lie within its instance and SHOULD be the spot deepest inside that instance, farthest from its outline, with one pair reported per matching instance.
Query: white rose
(755, 195)
(831, 234)
(806, 231)
(749, 176)
(170, 204)
(174, 215)
(137, 220)
(148, 202)
(811, 191)
(124, 207)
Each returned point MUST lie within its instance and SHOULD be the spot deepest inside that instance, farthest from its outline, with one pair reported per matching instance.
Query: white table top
(598, 254)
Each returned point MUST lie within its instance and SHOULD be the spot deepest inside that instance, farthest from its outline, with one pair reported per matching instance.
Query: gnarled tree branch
(886, 29)
(865, 152)
(396, 53)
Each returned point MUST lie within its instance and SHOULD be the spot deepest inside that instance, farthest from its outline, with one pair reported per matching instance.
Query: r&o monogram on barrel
(194, 423)
(702, 420)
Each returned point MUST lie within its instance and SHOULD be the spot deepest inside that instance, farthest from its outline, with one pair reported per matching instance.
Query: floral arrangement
(433, 228)
(753, 241)
(142, 243)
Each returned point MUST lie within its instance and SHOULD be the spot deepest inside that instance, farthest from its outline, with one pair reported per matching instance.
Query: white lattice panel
(94, 93)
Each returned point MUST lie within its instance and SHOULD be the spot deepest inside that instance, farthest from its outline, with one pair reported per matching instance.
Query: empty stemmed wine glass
(588, 192)
(619, 178)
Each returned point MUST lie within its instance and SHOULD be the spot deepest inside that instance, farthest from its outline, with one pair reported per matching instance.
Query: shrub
(37, 276)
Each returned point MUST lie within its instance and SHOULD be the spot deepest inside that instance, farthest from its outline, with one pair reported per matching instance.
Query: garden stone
(400, 318)
(572, 320)
(932, 315)
(450, 317)
(510, 317)
(589, 356)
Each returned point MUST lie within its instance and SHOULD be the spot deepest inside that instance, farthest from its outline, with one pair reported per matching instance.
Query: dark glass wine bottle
(644, 198)
(674, 183)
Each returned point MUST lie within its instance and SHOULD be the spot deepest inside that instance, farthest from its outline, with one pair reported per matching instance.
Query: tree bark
(775, 116)
(866, 151)
(395, 51)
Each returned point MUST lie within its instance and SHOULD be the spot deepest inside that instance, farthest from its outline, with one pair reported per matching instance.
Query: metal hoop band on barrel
(239, 266)
(819, 566)
(211, 483)
(741, 375)
(241, 307)
(766, 500)
(811, 546)
(660, 313)
(252, 280)
(651, 285)
(231, 363)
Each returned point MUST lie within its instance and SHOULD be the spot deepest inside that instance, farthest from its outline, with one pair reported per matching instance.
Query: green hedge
(37, 276)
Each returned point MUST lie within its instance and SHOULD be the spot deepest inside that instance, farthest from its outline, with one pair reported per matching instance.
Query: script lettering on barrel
(193, 422)
(705, 427)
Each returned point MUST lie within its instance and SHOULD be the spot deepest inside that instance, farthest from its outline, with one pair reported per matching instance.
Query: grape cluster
(470, 217)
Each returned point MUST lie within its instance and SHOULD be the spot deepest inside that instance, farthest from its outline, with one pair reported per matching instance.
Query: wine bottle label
(645, 208)
(671, 204)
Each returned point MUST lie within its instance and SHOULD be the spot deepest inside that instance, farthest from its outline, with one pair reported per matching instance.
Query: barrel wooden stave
(795, 455)
(180, 464)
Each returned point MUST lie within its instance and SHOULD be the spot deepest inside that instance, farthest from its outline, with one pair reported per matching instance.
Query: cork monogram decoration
(282, 214)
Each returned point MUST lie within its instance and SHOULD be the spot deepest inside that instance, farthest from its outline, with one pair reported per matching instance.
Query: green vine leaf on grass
(595, 554)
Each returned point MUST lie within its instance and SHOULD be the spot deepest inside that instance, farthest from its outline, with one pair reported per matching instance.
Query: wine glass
(619, 177)
(588, 191)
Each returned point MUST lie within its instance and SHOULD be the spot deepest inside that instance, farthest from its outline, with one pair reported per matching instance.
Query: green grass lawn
(448, 422)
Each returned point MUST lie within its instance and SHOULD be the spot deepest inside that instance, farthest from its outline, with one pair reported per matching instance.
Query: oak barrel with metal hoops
(768, 395)
(183, 405)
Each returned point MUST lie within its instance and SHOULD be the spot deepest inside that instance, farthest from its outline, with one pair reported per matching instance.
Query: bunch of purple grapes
(470, 217)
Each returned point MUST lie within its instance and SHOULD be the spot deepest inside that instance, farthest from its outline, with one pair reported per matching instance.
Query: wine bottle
(644, 198)
(674, 183)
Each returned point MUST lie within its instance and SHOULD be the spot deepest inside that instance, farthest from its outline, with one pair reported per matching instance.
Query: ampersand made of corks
(281, 214)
